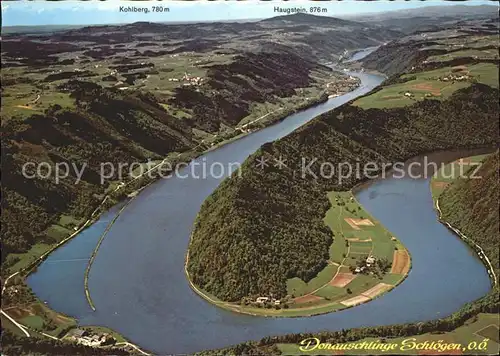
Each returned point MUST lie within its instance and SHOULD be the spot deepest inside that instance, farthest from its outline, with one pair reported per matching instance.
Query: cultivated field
(472, 53)
(357, 236)
(443, 82)
(38, 318)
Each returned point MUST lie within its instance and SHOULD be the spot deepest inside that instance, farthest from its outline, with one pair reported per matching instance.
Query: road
(133, 346)
(256, 120)
(20, 326)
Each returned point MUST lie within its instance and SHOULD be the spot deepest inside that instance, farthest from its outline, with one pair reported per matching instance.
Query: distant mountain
(38, 29)
(430, 11)
(410, 20)
(306, 19)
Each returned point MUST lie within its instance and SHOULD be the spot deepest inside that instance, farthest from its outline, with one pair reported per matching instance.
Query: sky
(39, 12)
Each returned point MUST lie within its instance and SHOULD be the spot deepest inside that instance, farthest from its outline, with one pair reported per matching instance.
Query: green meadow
(435, 84)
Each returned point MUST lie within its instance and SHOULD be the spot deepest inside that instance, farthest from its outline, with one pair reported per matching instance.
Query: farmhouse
(359, 269)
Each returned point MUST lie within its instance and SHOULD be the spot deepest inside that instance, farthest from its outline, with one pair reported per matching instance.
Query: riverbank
(366, 261)
(168, 226)
(122, 189)
(131, 188)
(473, 324)
(438, 183)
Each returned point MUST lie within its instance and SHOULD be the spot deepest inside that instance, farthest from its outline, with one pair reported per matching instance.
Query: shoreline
(96, 249)
(356, 188)
(93, 217)
(478, 249)
(469, 242)
(98, 211)
(281, 313)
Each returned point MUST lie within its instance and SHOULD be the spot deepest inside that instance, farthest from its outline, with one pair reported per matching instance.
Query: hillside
(427, 18)
(410, 53)
(471, 205)
(303, 18)
(93, 123)
(139, 93)
(256, 232)
(468, 204)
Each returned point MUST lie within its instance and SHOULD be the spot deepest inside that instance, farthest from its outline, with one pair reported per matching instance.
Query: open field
(475, 331)
(9, 325)
(357, 236)
(400, 262)
(435, 84)
(36, 316)
(23, 260)
(342, 279)
(469, 42)
(376, 290)
(473, 53)
(297, 287)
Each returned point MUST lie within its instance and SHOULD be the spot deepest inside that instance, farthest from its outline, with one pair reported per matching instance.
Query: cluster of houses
(344, 55)
(343, 85)
(84, 337)
(121, 85)
(410, 95)
(370, 260)
(191, 80)
(187, 79)
(454, 77)
(264, 300)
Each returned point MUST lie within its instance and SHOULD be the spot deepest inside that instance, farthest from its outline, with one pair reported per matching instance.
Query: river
(356, 56)
(139, 288)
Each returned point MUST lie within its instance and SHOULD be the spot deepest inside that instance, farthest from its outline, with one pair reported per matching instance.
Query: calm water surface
(138, 285)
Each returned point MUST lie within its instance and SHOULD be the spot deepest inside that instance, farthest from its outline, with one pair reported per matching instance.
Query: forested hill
(412, 51)
(123, 94)
(471, 205)
(101, 124)
(257, 231)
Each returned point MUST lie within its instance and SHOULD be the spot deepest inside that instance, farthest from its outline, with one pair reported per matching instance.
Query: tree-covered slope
(258, 230)
(123, 94)
(471, 205)
(111, 127)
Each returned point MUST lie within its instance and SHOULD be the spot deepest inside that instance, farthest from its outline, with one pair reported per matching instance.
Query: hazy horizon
(79, 13)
